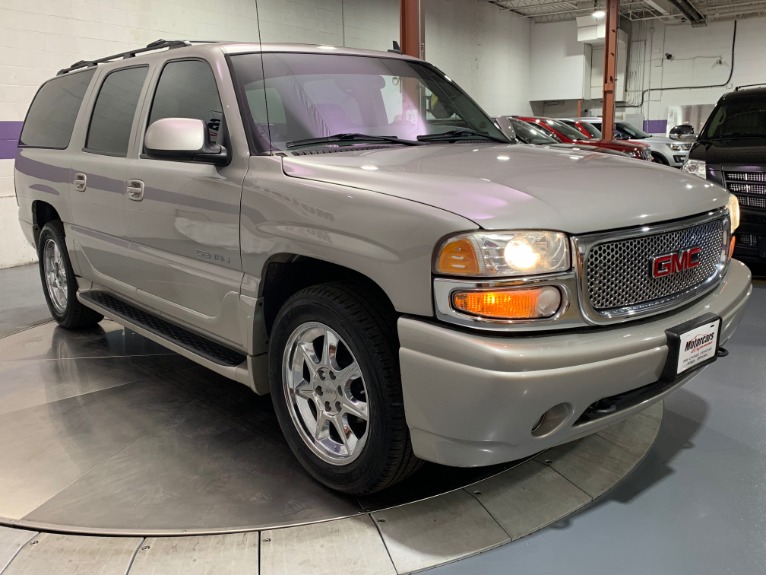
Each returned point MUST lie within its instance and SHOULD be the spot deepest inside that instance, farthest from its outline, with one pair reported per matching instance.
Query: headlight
(696, 167)
(503, 254)
(680, 147)
(733, 206)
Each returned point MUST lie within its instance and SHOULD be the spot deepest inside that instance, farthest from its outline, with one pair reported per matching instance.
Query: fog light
(552, 419)
(521, 303)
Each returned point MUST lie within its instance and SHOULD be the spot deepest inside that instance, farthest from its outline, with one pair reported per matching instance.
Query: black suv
(731, 151)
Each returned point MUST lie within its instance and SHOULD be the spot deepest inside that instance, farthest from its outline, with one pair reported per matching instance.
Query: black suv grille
(749, 187)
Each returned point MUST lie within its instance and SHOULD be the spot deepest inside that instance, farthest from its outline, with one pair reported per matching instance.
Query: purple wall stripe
(9, 137)
(10, 130)
(655, 126)
(8, 149)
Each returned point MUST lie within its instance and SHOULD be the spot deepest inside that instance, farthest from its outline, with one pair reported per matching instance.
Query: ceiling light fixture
(598, 14)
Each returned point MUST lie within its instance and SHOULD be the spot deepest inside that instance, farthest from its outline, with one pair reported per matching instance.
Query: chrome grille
(747, 240)
(749, 187)
(618, 273)
(746, 176)
(751, 202)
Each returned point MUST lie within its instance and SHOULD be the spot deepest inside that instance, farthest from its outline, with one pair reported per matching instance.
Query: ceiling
(670, 11)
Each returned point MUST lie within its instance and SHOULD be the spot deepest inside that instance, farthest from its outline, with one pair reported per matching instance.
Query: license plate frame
(684, 354)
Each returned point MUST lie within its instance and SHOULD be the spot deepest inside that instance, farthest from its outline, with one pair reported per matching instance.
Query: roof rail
(738, 88)
(156, 45)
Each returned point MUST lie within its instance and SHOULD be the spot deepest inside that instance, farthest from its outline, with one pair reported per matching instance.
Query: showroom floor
(695, 505)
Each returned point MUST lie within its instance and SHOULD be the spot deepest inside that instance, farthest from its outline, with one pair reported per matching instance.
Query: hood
(514, 186)
(660, 140)
(735, 152)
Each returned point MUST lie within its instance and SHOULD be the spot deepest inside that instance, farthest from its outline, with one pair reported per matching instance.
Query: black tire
(64, 307)
(368, 334)
(659, 159)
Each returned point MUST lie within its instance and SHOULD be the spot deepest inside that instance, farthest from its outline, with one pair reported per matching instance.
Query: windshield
(591, 129)
(531, 134)
(737, 119)
(631, 131)
(568, 131)
(296, 97)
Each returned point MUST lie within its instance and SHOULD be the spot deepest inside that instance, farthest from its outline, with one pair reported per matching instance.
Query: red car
(569, 135)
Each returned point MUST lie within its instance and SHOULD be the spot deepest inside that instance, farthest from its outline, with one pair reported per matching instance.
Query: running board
(219, 358)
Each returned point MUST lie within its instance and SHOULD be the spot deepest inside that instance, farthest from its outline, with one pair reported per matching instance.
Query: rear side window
(112, 120)
(187, 89)
(53, 112)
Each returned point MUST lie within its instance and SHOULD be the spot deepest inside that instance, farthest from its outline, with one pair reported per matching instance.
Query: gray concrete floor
(22, 303)
(696, 505)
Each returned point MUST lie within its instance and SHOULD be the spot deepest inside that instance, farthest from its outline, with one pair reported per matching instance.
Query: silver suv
(664, 150)
(348, 231)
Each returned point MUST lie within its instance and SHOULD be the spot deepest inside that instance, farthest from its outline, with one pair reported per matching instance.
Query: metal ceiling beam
(689, 12)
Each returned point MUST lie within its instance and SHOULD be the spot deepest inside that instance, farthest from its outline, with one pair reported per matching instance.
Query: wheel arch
(286, 274)
(42, 213)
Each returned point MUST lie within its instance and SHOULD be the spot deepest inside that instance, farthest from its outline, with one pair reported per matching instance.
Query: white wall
(560, 67)
(701, 56)
(483, 48)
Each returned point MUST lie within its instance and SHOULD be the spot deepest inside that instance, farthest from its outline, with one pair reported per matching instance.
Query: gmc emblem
(679, 261)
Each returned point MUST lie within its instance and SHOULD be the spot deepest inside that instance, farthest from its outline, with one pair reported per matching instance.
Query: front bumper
(473, 400)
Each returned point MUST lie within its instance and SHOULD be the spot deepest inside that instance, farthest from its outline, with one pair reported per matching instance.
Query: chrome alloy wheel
(325, 393)
(55, 276)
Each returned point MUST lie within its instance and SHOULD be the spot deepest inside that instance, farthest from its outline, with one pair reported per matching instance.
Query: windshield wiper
(351, 138)
(461, 134)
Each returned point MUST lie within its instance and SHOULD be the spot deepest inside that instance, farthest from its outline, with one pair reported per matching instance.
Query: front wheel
(59, 283)
(336, 388)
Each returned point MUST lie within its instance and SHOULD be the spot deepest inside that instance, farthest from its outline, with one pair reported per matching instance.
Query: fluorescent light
(599, 14)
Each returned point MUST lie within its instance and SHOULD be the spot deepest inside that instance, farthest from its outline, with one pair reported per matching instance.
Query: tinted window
(737, 118)
(54, 110)
(187, 89)
(110, 125)
(568, 131)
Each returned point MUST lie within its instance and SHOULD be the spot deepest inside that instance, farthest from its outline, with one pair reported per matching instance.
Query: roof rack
(156, 45)
(738, 88)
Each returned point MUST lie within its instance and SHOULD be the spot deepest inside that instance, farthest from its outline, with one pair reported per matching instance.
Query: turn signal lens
(522, 303)
(458, 257)
(732, 243)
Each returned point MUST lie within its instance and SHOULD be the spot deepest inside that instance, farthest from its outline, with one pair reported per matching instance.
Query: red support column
(610, 55)
(412, 28)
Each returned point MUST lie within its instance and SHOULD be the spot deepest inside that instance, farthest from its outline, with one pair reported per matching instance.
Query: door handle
(136, 190)
(80, 182)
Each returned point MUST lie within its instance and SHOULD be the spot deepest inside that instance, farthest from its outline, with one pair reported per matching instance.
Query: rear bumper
(473, 400)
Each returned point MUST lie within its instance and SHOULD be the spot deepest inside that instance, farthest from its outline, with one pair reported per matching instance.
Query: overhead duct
(689, 12)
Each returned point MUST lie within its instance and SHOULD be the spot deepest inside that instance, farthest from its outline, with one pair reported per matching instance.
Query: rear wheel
(59, 283)
(336, 389)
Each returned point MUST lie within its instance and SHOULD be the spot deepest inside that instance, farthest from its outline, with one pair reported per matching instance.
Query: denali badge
(676, 262)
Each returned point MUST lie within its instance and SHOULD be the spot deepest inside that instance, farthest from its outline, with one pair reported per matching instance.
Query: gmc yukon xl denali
(348, 231)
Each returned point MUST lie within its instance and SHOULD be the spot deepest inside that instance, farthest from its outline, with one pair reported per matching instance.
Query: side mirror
(504, 125)
(184, 139)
